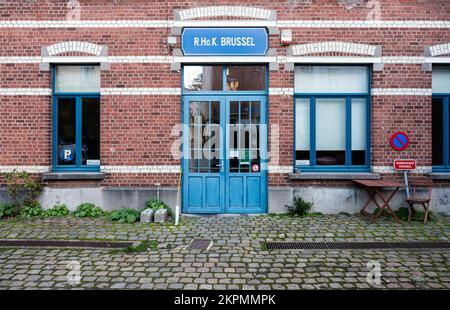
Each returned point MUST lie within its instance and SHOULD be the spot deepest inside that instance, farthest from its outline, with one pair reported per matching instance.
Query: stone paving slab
(236, 261)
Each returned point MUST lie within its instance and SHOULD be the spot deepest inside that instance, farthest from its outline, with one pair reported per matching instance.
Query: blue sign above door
(224, 41)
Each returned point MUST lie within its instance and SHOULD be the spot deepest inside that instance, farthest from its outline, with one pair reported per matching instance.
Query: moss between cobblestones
(141, 247)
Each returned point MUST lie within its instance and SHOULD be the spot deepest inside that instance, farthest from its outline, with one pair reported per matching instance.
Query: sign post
(405, 165)
(399, 141)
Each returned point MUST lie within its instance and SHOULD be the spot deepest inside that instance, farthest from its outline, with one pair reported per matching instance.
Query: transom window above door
(225, 78)
(332, 118)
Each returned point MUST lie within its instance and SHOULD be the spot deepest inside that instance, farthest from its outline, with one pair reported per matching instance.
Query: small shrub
(58, 210)
(6, 209)
(299, 207)
(403, 213)
(21, 188)
(31, 208)
(124, 215)
(344, 213)
(156, 204)
(88, 210)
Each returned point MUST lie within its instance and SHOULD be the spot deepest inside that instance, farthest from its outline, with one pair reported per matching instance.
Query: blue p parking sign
(66, 154)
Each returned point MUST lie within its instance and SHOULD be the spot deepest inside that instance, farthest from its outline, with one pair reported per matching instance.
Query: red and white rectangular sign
(404, 164)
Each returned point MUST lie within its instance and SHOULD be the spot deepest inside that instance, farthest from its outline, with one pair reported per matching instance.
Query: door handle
(221, 165)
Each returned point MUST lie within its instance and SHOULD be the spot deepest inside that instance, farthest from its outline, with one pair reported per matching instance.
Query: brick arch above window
(232, 11)
(347, 53)
(334, 47)
(75, 46)
(74, 52)
(438, 50)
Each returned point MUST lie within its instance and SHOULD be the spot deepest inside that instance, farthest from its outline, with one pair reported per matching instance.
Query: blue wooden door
(224, 154)
(246, 154)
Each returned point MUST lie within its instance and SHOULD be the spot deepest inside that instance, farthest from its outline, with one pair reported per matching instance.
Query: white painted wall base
(328, 200)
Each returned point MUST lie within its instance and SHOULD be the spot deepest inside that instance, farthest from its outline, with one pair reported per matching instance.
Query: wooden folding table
(373, 188)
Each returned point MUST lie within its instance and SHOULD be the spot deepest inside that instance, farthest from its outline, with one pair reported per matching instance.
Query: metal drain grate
(200, 244)
(65, 244)
(356, 245)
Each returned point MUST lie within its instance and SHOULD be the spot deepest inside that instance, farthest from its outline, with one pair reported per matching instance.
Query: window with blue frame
(76, 117)
(441, 119)
(332, 118)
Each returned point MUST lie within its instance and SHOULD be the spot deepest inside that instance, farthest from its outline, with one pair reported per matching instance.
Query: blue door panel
(253, 192)
(195, 191)
(212, 192)
(236, 193)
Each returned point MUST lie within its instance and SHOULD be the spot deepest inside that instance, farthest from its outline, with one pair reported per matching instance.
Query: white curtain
(331, 79)
(77, 79)
(441, 79)
(330, 124)
(358, 124)
(302, 125)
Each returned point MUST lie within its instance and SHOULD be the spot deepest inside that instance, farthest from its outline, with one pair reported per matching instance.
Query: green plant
(124, 215)
(299, 207)
(88, 210)
(403, 213)
(58, 210)
(21, 188)
(344, 213)
(156, 204)
(141, 247)
(31, 208)
(6, 209)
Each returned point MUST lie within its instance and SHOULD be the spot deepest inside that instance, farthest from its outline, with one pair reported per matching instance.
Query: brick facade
(141, 95)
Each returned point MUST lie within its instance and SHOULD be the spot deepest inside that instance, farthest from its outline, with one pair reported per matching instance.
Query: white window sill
(334, 176)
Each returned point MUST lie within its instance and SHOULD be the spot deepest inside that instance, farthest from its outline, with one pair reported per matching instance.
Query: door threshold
(223, 215)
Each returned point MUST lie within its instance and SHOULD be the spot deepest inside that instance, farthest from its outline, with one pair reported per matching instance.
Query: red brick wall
(135, 130)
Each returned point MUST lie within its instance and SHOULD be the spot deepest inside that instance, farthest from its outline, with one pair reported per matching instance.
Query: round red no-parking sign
(399, 141)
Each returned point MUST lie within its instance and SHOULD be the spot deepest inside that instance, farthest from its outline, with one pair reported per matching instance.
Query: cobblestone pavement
(236, 260)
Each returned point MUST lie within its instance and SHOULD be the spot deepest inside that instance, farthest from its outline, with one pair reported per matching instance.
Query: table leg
(386, 205)
(372, 198)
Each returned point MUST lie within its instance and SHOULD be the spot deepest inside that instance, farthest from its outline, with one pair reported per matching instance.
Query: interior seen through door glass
(204, 123)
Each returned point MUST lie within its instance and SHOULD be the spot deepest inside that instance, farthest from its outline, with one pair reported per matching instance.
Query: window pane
(359, 131)
(66, 131)
(77, 79)
(199, 120)
(441, 79)
(246, 78)
(302, 131)
(255, 165)
(202, 78)
(90, 148)
(331, 79)
(438, 131)
(234, 130)
(330, 131)
(214, 137)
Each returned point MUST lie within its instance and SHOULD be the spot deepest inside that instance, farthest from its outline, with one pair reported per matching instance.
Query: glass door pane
(204, 123)
(244, 131)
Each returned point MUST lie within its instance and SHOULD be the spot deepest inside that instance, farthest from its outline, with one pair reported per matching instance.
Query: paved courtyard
(236, 261)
